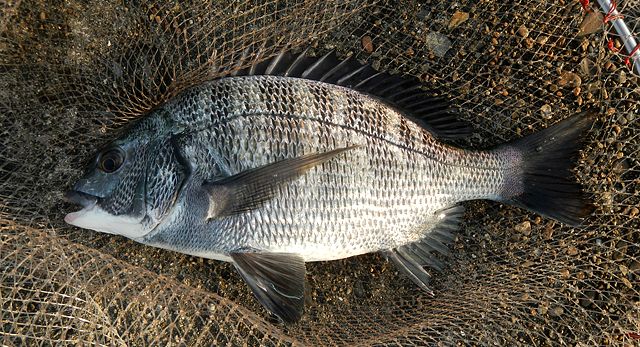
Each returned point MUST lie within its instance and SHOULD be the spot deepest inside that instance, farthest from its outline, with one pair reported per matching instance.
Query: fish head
(130, 186)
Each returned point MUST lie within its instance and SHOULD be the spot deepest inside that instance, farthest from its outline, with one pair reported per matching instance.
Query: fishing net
(73, 74)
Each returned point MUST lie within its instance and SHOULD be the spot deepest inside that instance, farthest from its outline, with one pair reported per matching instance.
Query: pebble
(591, 23)
(546, 111)
(438, 43)
(622, 77)
(523, 31)
(589, 68)
(556, 311)
(576, 91)
(588, 300)
(617, 255)
(366, 44)
(609, 66)
(423, 14)
(634, 212)
(623, 269)
(457, 19)
(542, 39)
(619, 167)
(584, 44)
(569, 80)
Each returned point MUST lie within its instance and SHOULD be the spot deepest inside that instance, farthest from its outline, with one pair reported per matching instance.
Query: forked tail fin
(548, 186)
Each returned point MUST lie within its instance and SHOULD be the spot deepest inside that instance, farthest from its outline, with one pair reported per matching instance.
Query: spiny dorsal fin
(403, 93)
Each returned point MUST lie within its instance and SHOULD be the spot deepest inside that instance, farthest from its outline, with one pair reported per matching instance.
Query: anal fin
(411, 258)
(276, 279)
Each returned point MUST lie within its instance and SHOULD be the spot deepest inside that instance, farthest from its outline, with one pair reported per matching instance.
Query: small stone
(584, 44)
(523, 31)
(588, 299)
(569, 80)
(542, 39)
(457, 19)
(556, 311)
(546, 111)
(438, 43)
(43, 16)
(623, 269)
(366, 44)
(528, 43)
(591, 23)
(634, 212)
(423, 14)
(622, 77)
(524, 228)
(576, 91)
(572, 251)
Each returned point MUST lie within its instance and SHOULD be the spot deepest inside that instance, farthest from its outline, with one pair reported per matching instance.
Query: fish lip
(87, 201)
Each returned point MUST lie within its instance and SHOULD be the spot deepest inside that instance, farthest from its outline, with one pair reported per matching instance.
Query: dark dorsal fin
(405, 94)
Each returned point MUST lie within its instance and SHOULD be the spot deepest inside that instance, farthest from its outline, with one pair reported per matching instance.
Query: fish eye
(111, 160)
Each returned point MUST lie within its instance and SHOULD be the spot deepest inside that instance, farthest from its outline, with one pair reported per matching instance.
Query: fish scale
(270, 172)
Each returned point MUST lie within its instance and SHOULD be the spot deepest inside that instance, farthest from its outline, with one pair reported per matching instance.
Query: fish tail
(547, 185)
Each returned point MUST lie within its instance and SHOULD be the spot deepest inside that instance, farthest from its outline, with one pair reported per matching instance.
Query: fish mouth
(87, 201)
(83, 199)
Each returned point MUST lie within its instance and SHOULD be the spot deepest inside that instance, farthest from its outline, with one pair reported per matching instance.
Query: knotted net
(75, 73)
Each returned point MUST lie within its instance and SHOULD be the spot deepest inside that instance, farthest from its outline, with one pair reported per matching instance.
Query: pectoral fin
(276, 279)
(250, 189)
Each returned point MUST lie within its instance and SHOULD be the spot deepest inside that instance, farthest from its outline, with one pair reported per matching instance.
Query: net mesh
(73, 74)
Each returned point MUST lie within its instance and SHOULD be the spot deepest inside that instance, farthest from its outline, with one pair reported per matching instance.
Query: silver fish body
(269, 172)
(370, 198)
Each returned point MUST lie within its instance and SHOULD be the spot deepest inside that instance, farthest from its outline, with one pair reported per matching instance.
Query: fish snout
(87, 201)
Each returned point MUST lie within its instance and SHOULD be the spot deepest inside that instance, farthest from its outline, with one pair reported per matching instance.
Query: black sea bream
(305, 159)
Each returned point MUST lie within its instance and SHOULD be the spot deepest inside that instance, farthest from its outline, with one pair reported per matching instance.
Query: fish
(301, 159)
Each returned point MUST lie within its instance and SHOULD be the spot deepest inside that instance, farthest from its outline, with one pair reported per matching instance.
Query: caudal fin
(548, 157)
